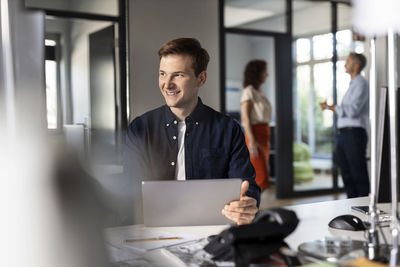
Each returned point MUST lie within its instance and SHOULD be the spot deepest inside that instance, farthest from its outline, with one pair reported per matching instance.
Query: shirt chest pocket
(214, 163)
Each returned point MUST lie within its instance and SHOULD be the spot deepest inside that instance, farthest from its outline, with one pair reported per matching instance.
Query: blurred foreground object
(51, 213)
(49, 209)
(382, 19)
(374, 17)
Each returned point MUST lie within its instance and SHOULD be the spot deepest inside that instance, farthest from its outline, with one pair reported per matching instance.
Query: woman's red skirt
(262, 134)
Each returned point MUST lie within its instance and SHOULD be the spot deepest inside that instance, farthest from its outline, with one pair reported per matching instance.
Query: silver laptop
(188, 203)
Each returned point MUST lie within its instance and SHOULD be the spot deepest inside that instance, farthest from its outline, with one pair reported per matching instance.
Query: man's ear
(358, 68)
(201, 79)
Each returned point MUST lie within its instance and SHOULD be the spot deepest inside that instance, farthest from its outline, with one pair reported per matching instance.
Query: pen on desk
(153, 239)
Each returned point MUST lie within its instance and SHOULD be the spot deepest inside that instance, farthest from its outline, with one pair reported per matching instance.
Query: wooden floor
(268, 199)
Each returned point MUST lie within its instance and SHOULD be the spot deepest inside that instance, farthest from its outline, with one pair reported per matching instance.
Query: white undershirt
(180, 173)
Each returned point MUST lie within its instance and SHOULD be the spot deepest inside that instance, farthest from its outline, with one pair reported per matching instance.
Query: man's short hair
(187, 46)
(360, 59)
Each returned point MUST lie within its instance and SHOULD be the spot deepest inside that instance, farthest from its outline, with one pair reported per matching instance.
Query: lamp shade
(374, 17)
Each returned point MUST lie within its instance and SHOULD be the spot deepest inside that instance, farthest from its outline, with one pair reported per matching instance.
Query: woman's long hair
(253, 73)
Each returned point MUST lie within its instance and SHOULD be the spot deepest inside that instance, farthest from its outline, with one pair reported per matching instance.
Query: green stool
(302, 169)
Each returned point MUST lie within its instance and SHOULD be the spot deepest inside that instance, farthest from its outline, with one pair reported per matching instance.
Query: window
(323, 121)
(322, 46)
(303, 50)
(51, 75)
(314, 85)
(343, 43)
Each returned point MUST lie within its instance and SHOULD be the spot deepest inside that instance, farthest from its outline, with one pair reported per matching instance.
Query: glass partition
(313, 146)
(240, 49)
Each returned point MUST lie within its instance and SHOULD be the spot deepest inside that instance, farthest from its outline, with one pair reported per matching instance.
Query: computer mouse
(347, 222)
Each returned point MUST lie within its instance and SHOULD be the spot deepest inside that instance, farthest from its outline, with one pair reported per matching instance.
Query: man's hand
(323, 105)
(241, 211)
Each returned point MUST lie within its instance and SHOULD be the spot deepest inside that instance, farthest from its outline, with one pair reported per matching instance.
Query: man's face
(178, 82)
(350, 65)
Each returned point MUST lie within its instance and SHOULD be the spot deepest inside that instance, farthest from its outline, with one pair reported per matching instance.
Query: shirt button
(174, 137)
(197, 123)
(173, 163)
(167, 124)
(175, 122)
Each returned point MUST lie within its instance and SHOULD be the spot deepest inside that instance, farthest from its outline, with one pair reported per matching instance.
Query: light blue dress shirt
(354, 110)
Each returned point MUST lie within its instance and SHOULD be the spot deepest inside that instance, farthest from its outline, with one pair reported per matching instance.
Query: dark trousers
(351, 146)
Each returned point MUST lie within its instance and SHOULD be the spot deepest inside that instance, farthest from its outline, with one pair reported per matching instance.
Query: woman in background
(256, 116)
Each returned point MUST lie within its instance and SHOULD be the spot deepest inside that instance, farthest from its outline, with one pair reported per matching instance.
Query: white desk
(314, 219)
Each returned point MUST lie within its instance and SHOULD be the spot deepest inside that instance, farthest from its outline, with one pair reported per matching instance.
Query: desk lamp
(382, 20)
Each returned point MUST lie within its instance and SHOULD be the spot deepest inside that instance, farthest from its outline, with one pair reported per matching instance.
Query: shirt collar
(196, 115)
(170, 118)
(356, 78)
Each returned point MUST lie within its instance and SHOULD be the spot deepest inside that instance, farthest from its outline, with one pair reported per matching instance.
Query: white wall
(344, 16)
(152, 23)
(312, 19)
(274, 24)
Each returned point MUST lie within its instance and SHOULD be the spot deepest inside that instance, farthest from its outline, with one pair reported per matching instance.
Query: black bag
(259, 239)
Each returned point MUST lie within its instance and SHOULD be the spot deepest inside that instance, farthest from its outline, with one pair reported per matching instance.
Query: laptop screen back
(188, 203)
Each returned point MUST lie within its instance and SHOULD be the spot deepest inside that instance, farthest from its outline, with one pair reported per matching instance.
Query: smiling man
(186, 139)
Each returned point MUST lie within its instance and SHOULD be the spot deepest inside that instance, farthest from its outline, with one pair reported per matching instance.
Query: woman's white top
(262, 110)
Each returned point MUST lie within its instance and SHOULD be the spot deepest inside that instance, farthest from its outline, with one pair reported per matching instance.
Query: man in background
(186, 139)
(352, 139)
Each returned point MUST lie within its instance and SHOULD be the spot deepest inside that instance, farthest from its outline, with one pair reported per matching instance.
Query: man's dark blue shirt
(214, 147)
